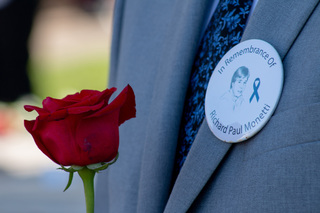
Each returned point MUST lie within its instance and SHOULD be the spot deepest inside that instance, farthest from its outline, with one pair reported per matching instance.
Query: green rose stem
(87, 174)
(87, 177)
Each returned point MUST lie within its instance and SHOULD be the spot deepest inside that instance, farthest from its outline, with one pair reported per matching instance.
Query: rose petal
(39, 110)
(128, 109)
(29, 125)
(83, 109)
(98, 138)
(57, 115)
(52, 104)
(30, 108)
(92, 97)
(58, 138)
(125, 101)
(73, 98)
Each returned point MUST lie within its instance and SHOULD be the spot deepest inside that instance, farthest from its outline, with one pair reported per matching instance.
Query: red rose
(81, 129)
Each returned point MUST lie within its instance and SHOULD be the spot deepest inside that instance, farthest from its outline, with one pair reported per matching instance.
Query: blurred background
(47, 48)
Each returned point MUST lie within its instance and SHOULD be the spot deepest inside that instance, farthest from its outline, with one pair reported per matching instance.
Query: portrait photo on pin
(233, 99)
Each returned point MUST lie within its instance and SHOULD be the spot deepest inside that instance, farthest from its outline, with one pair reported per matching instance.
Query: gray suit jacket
(278, 170)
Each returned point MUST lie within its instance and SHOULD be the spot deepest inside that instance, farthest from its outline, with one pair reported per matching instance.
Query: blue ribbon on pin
(256, 85)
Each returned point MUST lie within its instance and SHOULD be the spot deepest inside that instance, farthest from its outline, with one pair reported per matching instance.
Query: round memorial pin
(244, 90)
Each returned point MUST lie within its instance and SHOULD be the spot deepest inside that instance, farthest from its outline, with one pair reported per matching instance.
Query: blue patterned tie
(223, 32)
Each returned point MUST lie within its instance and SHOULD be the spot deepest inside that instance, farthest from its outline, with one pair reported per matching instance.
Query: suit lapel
(196, 170)
(277, 22)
